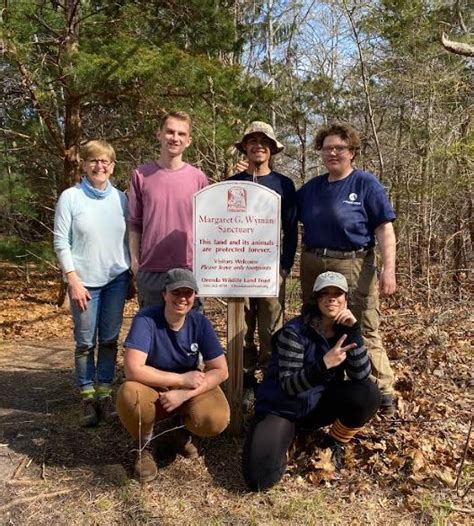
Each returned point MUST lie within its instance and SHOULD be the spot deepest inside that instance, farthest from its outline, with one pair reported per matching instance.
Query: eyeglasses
(104, 162)
(339, 148)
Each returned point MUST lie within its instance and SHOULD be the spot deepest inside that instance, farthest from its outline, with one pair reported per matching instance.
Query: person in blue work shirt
(259, 144)
(345, 212)
(174, 365)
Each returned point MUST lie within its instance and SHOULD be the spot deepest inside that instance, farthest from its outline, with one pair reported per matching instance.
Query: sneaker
(106, 409)
(89, 417)
(145, 468)
(387, 407)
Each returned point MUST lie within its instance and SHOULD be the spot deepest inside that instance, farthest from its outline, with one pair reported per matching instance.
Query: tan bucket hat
(266, 129)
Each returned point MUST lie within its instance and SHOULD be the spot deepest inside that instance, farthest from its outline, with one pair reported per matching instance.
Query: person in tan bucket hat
(265, 129)
(259, 144)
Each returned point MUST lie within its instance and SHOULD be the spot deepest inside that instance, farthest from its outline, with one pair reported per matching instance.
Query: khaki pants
(205, 415)
(361, 275)
(266, 314)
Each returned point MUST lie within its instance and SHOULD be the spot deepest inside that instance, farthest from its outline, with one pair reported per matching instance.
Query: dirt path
(78, 476)
(34, 384)
(400, 472)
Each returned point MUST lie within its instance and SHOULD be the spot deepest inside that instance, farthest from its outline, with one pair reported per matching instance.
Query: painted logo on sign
(237, 199)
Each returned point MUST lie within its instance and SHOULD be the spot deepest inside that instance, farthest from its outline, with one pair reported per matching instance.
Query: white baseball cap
(330, 279)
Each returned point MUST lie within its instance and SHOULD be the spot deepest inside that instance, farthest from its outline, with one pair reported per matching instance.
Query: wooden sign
(237, 240)
(237, 255)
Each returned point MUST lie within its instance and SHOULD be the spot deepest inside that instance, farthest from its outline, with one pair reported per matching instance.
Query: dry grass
(384, 482)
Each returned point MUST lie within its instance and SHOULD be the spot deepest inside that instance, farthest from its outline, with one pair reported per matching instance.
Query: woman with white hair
(91, 245)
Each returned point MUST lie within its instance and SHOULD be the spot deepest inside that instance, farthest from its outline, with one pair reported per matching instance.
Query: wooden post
(235, 346)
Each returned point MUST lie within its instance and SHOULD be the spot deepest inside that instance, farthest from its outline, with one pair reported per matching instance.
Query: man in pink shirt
(160, 210)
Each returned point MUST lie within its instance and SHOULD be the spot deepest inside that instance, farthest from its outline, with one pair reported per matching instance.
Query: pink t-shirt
(160, 208)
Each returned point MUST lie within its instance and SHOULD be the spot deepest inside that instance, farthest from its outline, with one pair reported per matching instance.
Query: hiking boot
(89, 417)
(337, 456)
(387, 407)
(186, 448)
(145, 468)
(106, 409)
(249, 391)
(337, 451)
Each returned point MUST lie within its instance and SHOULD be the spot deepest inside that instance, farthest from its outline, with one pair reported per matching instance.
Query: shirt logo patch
(352, 200)
(194, 348)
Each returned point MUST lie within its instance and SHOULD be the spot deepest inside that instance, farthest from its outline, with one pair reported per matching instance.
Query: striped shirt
(295, 378)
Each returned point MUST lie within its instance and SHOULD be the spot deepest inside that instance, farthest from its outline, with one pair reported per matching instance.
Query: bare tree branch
(350, 16)
(17, 134)
(459, 48)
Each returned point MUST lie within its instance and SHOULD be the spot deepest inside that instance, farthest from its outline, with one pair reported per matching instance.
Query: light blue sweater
(90, 236)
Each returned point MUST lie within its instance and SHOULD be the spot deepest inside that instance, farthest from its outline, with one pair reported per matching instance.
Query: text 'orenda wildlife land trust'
(237, 240)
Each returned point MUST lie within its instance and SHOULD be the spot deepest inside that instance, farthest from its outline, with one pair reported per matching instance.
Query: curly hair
(345, 131)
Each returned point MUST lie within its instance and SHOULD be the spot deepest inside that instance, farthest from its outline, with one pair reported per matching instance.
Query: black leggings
(270, 436)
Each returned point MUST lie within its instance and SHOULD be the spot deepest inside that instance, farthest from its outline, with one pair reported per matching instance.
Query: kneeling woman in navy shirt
(174, 364)
(305, 384)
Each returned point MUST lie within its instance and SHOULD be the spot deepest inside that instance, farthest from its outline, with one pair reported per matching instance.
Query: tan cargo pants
(205, 415)
(361, 275)
(266, 315)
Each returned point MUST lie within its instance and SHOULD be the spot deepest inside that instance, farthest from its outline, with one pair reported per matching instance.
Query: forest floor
(415, 468)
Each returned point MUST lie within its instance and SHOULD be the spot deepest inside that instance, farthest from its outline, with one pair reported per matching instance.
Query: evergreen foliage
(80, 69)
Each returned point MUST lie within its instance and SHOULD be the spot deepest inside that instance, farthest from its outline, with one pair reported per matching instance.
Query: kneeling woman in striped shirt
(305, 385)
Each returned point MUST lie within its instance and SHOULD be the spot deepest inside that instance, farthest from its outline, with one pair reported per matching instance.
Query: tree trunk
(72, 119)
(72, 138)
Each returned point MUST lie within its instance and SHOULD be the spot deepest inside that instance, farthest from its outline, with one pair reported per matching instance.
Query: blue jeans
(101, 322)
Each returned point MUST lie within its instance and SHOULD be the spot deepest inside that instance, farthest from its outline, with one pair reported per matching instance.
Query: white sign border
(277, 269)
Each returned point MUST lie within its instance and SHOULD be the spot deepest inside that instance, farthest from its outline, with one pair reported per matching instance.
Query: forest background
(76, 70)
(73, 70)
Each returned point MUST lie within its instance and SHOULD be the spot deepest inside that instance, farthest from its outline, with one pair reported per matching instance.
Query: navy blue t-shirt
(285, 187)
(343, 215)
(173, 351)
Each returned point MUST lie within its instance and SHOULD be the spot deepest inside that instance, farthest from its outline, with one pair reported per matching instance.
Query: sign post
(236, 255)
(235, 345)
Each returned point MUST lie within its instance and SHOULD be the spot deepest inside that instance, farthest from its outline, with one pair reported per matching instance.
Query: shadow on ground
(39, 410)
(39, 418)
(222, 457)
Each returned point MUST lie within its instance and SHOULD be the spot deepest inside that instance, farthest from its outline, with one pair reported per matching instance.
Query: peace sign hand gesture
(337, 354)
